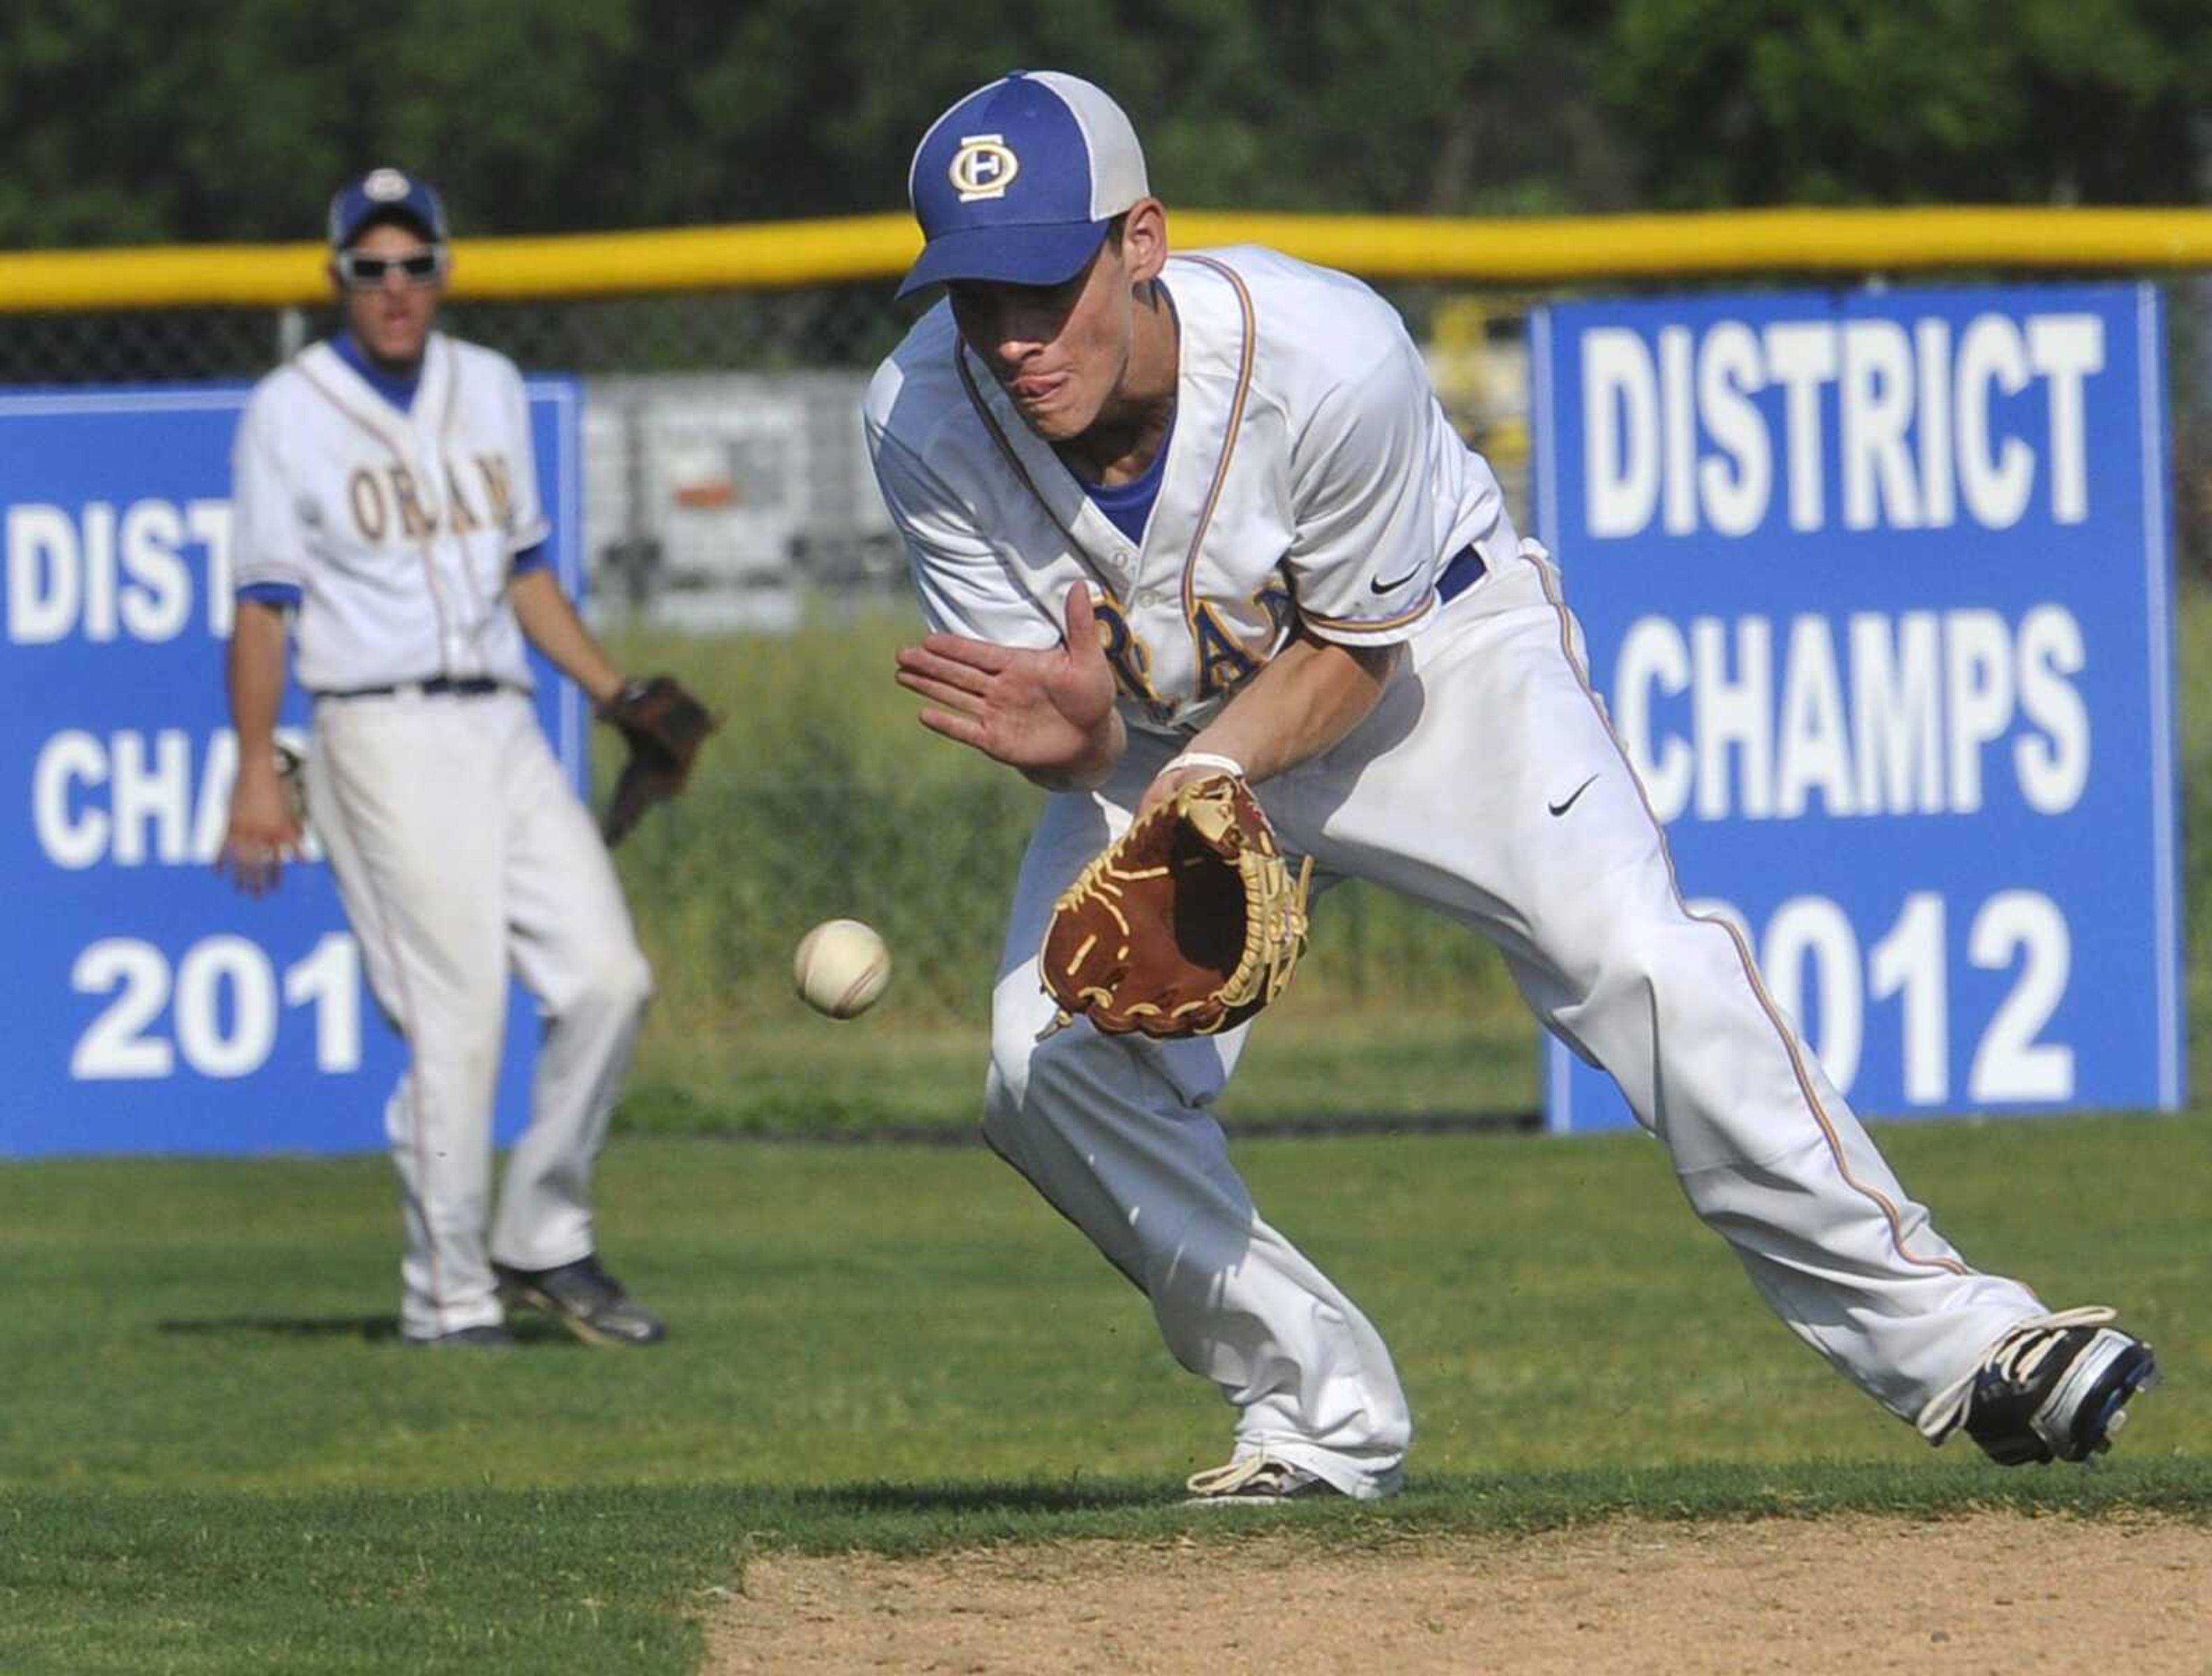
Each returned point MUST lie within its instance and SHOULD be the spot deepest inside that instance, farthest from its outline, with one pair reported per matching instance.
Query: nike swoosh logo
(1392, 587)
(1561, 808)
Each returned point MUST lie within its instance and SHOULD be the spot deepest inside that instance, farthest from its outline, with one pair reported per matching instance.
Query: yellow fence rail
(1511, 251)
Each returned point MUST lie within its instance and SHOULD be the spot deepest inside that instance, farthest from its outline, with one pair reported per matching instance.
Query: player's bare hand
(1049, 712)
(264, 832)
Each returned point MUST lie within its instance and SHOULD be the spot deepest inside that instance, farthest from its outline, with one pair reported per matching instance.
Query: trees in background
(126, 121)
(1899, 101)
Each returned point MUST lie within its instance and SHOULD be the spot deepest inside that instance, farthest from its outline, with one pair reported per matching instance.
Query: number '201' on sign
(218, 1009)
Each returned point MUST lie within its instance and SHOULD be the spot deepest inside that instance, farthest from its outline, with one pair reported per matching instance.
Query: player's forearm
(1308, 697)
(255, 675)
(553, 627)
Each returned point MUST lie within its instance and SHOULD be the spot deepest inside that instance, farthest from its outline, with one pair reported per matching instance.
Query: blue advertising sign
(1877, 588)
(152, 1008)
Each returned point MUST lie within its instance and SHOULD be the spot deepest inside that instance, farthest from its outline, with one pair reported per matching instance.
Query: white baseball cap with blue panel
(1017, 181)
(381, 192)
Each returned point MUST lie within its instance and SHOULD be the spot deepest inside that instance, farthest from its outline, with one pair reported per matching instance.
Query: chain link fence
(732, 534)
(736, 356)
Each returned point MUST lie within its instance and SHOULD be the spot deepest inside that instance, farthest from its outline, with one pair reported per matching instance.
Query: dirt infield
(1986, 1592)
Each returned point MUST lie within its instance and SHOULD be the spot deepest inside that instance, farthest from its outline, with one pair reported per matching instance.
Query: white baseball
(841, 967)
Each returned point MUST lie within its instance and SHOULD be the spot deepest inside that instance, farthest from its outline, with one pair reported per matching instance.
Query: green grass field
(216, 1458)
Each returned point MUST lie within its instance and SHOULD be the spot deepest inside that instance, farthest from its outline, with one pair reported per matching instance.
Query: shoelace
(2024, 1348)
(1260, 1473)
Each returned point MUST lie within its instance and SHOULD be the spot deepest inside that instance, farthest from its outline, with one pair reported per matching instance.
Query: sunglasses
(364, 272)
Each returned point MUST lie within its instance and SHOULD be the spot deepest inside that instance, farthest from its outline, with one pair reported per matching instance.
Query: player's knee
(627, 978)
(1035, 1081)
(614, 979)
(1013, 1040)
(1002, 1109)
(1614, 934)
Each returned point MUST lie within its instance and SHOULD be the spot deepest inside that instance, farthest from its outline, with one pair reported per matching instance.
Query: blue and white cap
(385, 192)
(1017, 181)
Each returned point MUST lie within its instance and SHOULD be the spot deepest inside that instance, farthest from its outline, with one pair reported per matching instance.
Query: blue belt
(1462, 574)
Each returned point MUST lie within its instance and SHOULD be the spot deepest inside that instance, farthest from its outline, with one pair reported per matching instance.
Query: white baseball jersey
(1310, 474)
(398, 529)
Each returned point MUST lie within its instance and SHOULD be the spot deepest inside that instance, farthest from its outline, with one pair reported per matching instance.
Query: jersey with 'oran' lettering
(1311, 479)
(400, 529)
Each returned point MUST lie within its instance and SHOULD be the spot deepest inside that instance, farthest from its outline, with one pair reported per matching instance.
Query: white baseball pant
(1442, 795)
(459, 851)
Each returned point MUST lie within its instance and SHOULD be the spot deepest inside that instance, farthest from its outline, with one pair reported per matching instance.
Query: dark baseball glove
(1190, 923)
(664, 726)
(292, 777)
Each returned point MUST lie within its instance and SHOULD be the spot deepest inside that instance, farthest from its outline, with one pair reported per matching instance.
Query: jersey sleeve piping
(281, 595)
(1371, 630)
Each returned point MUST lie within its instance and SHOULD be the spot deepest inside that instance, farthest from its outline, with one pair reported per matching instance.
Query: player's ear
(1145, 240)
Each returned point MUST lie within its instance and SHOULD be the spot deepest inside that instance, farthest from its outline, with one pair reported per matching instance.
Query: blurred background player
(387, 516)
(1170, 517)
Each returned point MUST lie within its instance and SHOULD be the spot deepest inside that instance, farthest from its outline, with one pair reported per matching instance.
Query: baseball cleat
(584, 1298)
(490, 1335)
(2056, 1387)
(1255, 1481)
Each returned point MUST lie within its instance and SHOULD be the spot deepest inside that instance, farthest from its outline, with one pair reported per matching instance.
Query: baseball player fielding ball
(842, 967)
(1191, 531)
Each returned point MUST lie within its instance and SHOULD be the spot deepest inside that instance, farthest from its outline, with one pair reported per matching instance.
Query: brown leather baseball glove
(1190, 923)
(664, 726)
